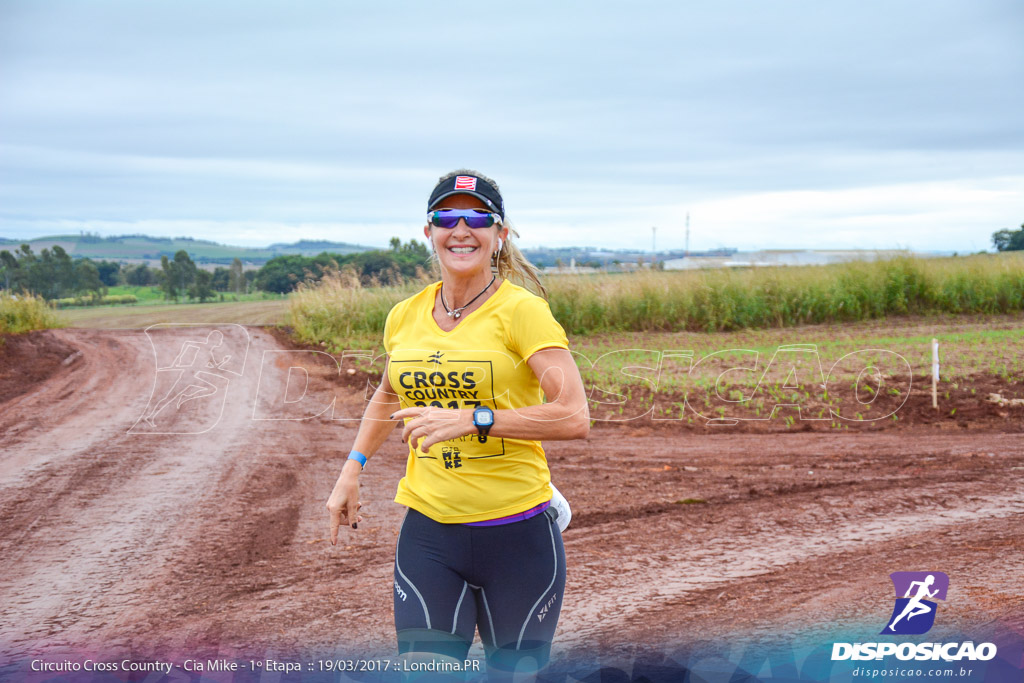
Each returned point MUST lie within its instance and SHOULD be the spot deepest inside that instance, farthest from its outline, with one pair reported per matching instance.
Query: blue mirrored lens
(449, 218)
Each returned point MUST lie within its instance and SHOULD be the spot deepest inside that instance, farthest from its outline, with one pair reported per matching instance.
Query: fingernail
(391, 417)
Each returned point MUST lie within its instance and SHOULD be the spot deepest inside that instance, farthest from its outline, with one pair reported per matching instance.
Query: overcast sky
(774, 124)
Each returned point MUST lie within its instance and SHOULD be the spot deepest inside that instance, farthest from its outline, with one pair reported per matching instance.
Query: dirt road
(202, 530)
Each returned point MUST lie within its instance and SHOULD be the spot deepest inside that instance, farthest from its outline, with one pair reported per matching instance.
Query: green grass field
(869, 368)
(145, 295)
(154, 296)
(968, 345)
(270, 312)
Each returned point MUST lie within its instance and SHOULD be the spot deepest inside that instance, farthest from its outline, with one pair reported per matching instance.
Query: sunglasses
(475, 218)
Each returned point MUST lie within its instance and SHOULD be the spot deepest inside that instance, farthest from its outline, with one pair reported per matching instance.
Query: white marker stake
(935, 373)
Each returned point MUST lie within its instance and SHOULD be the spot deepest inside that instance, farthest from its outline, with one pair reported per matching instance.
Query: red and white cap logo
(465, 182)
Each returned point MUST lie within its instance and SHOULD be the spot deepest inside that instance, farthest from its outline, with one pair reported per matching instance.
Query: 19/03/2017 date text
(356, 665)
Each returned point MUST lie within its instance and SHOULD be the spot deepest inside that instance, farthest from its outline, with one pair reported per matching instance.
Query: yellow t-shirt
(481, 362)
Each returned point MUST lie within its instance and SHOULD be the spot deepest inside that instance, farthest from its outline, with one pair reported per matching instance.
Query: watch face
(483, 417)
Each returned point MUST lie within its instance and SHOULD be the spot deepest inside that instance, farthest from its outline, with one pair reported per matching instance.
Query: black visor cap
(464, 184)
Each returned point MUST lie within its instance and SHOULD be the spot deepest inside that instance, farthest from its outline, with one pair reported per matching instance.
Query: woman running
(480, 373)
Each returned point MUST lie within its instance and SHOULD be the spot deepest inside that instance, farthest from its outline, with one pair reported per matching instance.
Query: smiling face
(464, 252)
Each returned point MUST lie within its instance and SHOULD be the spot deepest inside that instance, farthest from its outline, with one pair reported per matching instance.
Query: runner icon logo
(914, 611)
(195, 365)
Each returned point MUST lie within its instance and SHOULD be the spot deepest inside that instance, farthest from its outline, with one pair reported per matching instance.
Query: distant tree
(201, 287)
(407, 259)
(221, 279)
(186, 269)
(35, 280)
(87, 278)
(110, 272)
(53, 274)
(377, 266)
(1009, 240)
(282, 273)
(10, 269)
(140, 275)
(416, 248)
(168, 282)
(178, 275)
(236, 277)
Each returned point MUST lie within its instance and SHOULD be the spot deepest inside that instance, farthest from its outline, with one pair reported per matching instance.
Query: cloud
(334, 114)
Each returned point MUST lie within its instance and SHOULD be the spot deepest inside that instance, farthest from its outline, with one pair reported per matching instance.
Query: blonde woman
(480, 373)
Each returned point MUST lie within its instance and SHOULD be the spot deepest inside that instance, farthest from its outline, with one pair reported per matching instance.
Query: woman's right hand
(343, 505)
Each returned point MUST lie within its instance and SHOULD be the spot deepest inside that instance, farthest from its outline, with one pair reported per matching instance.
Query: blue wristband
(358, 457)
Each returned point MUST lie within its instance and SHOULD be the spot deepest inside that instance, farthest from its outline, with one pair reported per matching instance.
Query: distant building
(572, 268)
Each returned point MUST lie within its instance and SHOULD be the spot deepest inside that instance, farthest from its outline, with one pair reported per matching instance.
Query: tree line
(1009, 240)
(283, 274)
(54, 274)
(182, 277)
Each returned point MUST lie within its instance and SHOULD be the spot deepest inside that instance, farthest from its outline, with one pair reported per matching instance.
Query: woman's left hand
(432, 425)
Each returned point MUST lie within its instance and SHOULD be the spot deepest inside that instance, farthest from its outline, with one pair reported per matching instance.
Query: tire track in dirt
(741, 551)
(657, 568)
(94, 515)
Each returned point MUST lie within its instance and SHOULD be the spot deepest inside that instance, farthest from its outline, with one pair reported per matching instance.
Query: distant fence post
(935, 373)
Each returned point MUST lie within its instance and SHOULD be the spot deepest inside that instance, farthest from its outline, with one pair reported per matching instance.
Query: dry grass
(724, 300)
(339, 312)
(22, 313)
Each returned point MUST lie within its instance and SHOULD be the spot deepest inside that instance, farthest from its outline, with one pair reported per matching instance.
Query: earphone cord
(457, 312)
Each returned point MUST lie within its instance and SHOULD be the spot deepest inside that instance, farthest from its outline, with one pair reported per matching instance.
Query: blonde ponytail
(511, 264)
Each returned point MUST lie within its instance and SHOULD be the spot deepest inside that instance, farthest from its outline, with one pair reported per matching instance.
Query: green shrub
(93, 300)
(24, 312)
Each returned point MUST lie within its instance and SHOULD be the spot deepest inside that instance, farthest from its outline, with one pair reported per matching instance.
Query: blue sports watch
(483, 419)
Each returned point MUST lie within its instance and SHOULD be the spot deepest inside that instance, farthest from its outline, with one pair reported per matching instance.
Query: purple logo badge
(916, 592)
